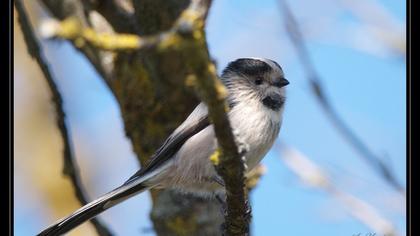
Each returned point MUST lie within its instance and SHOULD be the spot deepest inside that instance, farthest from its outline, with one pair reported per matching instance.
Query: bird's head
(255, 78)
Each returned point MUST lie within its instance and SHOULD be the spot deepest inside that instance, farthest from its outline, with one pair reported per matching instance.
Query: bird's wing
(196, 121)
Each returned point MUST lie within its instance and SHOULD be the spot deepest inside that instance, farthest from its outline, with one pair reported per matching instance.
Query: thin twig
(316, 87)
(73, 29)
(70, 167)
(312, 175)
(229, 158)
(73, 8)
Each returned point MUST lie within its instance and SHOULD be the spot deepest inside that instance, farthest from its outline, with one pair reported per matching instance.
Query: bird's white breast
(191, 170)
(257, 126)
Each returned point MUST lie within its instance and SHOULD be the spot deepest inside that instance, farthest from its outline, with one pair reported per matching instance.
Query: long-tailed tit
(256, 96)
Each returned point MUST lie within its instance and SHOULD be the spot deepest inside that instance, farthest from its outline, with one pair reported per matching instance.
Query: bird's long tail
(127, 190)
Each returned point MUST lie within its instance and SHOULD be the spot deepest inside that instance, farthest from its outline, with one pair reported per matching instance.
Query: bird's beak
(281, 82)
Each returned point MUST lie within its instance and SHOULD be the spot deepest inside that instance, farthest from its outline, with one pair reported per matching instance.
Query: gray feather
(195, 122)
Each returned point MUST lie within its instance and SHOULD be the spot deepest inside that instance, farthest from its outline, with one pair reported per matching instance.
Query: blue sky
(367, 89)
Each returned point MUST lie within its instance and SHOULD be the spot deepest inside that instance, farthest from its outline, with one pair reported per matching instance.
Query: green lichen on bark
(151, 99)
(153, 103)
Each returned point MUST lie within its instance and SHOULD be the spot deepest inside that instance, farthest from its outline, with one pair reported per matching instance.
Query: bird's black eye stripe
(258, 81)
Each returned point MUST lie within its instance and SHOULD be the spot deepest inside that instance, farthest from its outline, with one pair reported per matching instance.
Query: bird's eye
(258, 81)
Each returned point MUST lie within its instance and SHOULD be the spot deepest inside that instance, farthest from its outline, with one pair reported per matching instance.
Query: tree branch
(314, 79)
(70, 167)
(72, 29)
(68, 8)
(229, 159)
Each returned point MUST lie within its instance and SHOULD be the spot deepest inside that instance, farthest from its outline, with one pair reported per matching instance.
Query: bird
(256, 99)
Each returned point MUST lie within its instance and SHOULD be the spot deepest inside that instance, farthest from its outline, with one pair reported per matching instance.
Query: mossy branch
(229, 162)
(229, 158)
(73, 29)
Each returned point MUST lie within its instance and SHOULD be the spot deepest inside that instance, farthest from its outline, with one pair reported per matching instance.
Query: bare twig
(229, 158)
(316, 85)
(73, 8)
(70, 167)
(312, 175)
(73, 29)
